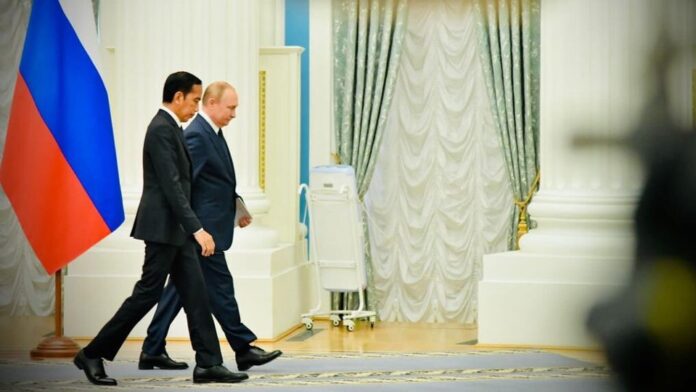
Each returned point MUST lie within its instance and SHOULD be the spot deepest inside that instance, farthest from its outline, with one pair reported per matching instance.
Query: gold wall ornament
(522, 225)
(262, 130)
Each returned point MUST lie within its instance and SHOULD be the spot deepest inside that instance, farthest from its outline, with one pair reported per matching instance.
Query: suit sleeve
(197, 149)
(161, 146)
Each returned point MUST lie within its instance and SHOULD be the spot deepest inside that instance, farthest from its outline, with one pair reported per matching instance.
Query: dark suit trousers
(223, 303)
(182, 265)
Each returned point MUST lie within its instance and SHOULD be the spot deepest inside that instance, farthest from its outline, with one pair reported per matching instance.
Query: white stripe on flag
(81, 16)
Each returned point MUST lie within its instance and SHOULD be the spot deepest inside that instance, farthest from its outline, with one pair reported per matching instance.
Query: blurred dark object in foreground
(649, 330)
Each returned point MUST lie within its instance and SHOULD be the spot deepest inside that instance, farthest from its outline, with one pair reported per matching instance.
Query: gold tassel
(522, 226)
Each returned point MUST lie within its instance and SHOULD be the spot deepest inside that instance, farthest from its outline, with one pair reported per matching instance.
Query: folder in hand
(242, 211)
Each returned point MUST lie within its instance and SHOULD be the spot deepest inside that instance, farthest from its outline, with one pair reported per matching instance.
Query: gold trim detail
(262, 130)
(522, 226)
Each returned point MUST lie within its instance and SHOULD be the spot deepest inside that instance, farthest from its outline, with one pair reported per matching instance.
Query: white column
(244, 144)
(320, 82)
(321, 121)
(272, 23)
(593, 57)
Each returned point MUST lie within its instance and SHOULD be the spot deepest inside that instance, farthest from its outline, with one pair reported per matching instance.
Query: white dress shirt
(178, 122)
(209, 121)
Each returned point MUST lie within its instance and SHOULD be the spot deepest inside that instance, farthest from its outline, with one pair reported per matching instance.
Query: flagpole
(56, 346)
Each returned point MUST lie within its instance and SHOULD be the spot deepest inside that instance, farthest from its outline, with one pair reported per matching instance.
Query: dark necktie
(225, 148)
(180, 135)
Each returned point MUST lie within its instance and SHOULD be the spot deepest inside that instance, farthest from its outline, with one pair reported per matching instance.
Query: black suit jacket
(164, 214)
(214, 182)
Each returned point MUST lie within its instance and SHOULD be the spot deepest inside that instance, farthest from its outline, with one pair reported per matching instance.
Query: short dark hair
(179, 81)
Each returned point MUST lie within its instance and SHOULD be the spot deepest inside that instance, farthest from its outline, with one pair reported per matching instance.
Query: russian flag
(59, 167)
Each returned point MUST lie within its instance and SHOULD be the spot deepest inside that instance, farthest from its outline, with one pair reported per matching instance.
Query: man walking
(214, 199)
(168, 225)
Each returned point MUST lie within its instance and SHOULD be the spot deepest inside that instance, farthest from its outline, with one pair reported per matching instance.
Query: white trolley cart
(336, 237)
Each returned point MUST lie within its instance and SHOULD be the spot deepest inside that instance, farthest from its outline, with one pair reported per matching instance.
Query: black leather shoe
(217, 373)
(255, 356)
(93, 368)
(162, 361)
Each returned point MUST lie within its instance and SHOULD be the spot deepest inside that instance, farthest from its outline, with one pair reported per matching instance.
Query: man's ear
(178, 96)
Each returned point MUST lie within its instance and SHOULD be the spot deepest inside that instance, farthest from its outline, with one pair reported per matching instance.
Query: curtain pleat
(368, 36)
(25, 289)
(439, 199)
(509, 50)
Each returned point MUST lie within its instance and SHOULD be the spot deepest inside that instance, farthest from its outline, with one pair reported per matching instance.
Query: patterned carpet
(500, 370)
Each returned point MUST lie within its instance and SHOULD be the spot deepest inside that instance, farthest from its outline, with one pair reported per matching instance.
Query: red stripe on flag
(56, 214)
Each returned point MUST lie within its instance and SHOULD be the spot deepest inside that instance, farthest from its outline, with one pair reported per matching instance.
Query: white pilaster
(593, 55)
(272, 26)
(320, 82)
(245, 146)
(321, 99)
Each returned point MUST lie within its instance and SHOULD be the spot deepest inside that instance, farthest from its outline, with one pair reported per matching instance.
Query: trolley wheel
(350, 327)
(372, 321)
(308, 323)
(335, 320)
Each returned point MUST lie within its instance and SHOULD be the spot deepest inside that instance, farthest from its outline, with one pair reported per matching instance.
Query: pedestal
(581, 251)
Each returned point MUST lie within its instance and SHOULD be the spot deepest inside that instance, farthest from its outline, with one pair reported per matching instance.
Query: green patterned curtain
(368, 37)
(509, 43)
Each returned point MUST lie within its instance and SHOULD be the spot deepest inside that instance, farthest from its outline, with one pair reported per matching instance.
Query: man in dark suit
(214, 199)
(168, 225)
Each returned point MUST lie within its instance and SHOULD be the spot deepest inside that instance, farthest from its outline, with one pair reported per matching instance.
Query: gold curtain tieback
(522, 226)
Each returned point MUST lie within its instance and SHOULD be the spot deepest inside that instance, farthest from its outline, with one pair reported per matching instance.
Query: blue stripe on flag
(72, 100)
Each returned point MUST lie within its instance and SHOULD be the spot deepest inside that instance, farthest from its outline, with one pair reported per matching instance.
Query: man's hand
(206, 242)
(245, 221)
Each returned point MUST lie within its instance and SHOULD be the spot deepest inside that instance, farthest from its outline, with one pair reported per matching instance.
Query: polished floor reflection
(18, 335)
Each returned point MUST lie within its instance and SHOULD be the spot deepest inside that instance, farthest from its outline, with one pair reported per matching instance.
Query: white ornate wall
(143, 42)
(593, 82)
